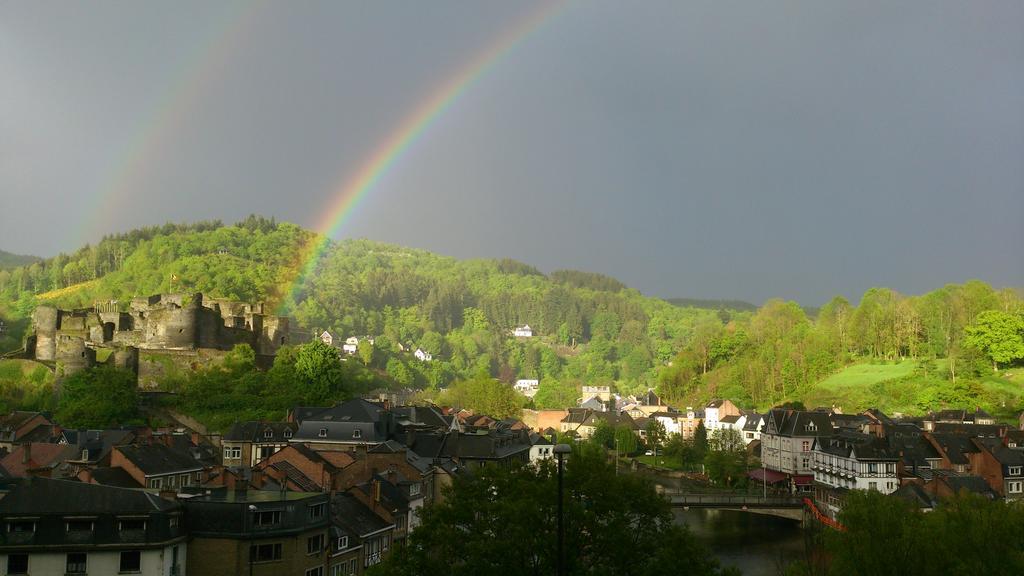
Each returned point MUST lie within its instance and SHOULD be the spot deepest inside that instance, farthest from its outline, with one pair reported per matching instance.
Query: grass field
(856, 386)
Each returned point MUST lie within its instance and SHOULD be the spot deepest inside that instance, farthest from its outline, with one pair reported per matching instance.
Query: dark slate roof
(46, 496)
(296, 476)
(348, 512)
(797, 423)
(973, 484)
(729, 419)
(115, 476)
(753, 422)
(355, 410)
(426, 415)
(990, 430)
(956, 447)
(915, 494)
(157, 459)
(256, 431)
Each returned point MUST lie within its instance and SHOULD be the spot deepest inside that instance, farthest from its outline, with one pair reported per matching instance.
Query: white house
(527, 387)
(327, 338)
(523, 331)
(541, 448)
(787, 441)
(852, 462)
(715, 411)
(422, 355)
(351, 345)
(670, 420)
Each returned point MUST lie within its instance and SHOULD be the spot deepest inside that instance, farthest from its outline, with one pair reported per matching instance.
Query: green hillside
(8, 260)
(952, 347)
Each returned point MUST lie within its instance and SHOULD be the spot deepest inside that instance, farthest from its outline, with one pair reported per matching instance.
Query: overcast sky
(713, 149)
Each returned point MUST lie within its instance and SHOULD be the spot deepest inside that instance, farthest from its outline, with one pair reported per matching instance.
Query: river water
(758, 545)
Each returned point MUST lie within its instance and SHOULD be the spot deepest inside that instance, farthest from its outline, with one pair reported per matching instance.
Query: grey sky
(705, 149)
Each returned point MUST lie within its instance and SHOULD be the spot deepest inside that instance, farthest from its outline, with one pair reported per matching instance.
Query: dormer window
(357, 433)
(80, 525)
(126, 524)
(1015, 470)
(323, 433)
(85, 455)
(21, 526)
(268, 433)
(810, 427)
(342, 542)
(288, 433)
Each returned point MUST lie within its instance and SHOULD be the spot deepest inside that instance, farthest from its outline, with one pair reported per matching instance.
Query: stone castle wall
(169, 322)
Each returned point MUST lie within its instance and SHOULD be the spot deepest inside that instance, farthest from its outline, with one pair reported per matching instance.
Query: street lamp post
(560, 451)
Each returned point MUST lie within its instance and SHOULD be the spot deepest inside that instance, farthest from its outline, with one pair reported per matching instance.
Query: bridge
(791, 507)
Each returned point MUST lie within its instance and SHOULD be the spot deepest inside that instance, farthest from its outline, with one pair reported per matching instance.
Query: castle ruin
(168, 322)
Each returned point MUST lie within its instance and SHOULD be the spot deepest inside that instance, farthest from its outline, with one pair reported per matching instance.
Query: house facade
(523, 331)
(69, 528)
(787, 444)
(852, 462)
(263, 533)
(248, 443)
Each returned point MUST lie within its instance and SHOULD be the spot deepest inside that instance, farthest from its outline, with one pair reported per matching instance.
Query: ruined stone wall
(171, 327)
(46, 320)
(72, 355)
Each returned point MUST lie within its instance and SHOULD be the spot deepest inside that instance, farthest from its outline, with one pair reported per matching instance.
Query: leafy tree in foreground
(887, 536)
(503, 521)
(100, 397)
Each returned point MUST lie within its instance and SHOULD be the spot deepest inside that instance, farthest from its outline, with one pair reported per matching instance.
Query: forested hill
(8, 260)
(951, 344)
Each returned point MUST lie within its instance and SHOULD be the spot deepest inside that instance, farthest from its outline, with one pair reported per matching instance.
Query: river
(758, 545)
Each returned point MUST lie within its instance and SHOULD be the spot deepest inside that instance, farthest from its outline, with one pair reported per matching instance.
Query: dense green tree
(100, 397)
(655, 434)
(1000, 335)
(506, 524)
(484, 395)
(318, 366)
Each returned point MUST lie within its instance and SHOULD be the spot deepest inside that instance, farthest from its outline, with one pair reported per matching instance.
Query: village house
(65, 527)
(20, 427)
(263, 533)
(36, 459)
(851, 461)
(527, 386)
(787, 442)
(523, 331)
(158, 466)
(347, 425)
(351, 345)
(716, 411)
(327, 338)
(362, 534)
(582, 422)
(248, 443)
(422, 355)
(752, 427)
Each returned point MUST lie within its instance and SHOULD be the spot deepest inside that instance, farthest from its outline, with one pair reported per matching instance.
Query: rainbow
(196, 76)
(353, 189)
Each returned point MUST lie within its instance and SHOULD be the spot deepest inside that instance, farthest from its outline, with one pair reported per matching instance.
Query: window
(315, 544)
(352, 566)
(317, 511)
(872, 468)
(288, 433)
(21, 526)
(232, 452)
(268, 433)
(1015, 470)
(183, 480)
(131, 561)
(806, 445)
(264, 552)
(872, 485)
(79, 525)
(318, 571)
(414, 489)
(1014, 487)
(17, 563)
(357, 433)
(323, 433)
(156, 483)
(85, 454)
(342, 542)
(173, 522)
(268, 518)
(76, 563)
(131, 524)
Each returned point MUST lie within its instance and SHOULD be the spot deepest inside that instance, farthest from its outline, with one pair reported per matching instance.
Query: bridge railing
(679, 497)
